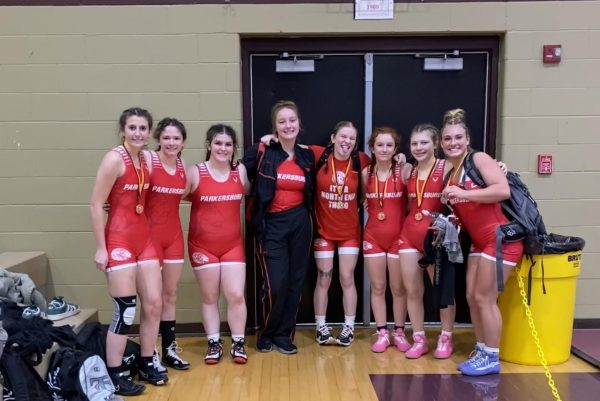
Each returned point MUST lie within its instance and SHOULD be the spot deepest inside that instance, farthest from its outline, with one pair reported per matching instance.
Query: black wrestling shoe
(150, 374)
(125, 386)
(172, 359)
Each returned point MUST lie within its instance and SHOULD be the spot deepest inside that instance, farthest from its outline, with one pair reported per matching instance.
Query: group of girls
(400, 200)
(140, 245)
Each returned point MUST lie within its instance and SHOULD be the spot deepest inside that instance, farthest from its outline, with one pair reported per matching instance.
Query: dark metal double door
(369, 89)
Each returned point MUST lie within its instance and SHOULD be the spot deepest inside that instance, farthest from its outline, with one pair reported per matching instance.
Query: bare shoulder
(112, 159)
(483, 160)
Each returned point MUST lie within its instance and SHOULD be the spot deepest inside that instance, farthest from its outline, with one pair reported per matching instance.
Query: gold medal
(380, 216)
(418, 216)
(139, 208)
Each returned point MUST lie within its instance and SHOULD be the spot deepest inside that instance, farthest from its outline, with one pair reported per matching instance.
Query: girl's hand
(453, 192)
(266, 139)
(503, 167)
(101, 259)
(400, 158)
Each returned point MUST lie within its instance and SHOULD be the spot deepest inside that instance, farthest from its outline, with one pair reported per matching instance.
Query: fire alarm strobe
(552, 53)
(544, 164)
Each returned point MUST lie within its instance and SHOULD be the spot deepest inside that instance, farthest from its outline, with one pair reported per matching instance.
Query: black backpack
(525, 221)
(21, 381)
(76, 375)
(92, 338)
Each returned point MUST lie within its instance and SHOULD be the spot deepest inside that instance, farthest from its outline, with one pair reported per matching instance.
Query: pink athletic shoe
(383, 341)
(400, 340)
(419, 347)
(444, 347)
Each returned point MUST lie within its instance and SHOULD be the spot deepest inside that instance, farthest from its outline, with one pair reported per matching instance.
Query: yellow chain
(536, 338)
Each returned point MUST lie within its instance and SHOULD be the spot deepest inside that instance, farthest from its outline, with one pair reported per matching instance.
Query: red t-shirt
(337, 214)
(289, 190)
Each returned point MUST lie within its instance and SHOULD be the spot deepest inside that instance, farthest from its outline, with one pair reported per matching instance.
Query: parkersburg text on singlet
(215, 215)
(162, 204)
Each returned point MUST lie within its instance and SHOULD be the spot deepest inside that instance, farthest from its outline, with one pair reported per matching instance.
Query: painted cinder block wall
(67, 72)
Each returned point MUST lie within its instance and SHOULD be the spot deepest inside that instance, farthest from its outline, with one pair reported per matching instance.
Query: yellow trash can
(552, 312)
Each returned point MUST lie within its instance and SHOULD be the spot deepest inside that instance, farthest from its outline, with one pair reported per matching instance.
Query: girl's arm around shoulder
(244, 178)
(406, 169)
(193, 180)
(187, 179)
(250, 161)
(365, 160)
(147, 154)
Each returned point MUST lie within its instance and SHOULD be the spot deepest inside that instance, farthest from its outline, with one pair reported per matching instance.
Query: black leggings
(284, 254)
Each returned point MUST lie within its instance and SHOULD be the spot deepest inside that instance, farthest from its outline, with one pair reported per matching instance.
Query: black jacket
(265, 180)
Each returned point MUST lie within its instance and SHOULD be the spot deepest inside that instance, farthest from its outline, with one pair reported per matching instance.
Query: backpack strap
(499, 259)
(260, 155)
(324, 156)
(471, 170)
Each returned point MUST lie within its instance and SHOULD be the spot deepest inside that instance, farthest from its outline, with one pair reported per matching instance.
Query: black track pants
(284, 255)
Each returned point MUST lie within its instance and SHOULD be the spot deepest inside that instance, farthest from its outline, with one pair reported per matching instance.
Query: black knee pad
(124, 314)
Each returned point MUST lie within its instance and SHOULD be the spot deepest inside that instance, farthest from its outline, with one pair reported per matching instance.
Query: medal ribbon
(457, 171)
(140, 176)
(380, 196)
(421, 191)
(338, 187)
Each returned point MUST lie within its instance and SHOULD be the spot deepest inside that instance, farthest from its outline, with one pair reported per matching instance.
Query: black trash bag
(556, 244)
(552, 244)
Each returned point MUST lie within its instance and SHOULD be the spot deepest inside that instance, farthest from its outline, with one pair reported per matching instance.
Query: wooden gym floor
(330, 373)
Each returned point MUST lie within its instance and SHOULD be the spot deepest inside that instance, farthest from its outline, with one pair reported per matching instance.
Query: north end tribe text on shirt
(220, 198)
(134, 187)
(335, 200)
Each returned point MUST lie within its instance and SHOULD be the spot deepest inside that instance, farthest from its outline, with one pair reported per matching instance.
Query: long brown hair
(397, 138)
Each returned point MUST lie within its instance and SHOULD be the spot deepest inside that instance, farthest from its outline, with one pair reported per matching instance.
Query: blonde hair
(456, 117)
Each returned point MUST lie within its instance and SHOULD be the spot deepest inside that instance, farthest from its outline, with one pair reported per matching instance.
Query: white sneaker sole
(63, 315)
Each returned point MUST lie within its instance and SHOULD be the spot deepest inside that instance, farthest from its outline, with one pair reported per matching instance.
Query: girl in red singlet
(385, 191)
(480, 214)
(425, 183)
(215, 244)
(124, 249)
(167, 187)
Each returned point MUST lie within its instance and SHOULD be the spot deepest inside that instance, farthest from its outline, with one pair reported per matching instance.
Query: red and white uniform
(215, 235)
(337, 214)
(414, 231)
(289, 191)
(382, 237)
(481, 221)
(127, 233)
(162, 209)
